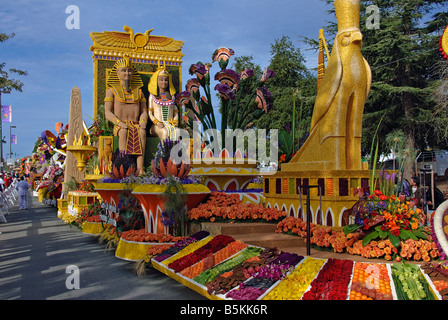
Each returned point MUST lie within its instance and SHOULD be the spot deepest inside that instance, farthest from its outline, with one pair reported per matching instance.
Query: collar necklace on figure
(163, 103)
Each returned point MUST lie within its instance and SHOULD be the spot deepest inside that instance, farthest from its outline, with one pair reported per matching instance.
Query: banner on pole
(13, 139)
(6, 114)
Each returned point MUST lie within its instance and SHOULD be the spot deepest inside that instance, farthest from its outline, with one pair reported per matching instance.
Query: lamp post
(1, 120)
(10, 140)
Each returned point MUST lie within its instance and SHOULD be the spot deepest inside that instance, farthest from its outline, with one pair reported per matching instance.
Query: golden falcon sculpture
(334, 142)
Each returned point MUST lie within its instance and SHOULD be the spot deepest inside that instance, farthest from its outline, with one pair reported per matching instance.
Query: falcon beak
(356, 37)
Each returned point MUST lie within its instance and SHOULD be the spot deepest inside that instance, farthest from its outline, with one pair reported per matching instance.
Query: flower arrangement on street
(90, 214)
(332, 281)
(386, 217)
(337, 240)
(370, 282)
(296, 283)
(410, 283)
(228, 207)
(251, 273)
(141, 236)
(51, 182)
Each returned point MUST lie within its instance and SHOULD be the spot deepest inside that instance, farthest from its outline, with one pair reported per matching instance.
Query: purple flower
(264, 99)
(228, 76)
(42, 159)
(246, 74)
(198, 69)
(267, 74)
(183, 98)
(222, 55)
(192, 85)
(225, 91)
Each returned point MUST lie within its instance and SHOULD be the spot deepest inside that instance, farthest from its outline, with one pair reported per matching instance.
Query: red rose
(366, 223)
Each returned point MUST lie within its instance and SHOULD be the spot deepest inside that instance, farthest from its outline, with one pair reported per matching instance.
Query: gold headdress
(114, 82)
(347, 14)
(152, 86)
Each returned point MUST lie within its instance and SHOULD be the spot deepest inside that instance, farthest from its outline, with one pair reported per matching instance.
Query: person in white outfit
(22, 188)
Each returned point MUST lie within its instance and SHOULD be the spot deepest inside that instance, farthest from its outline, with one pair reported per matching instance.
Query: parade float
(46, 166)
(156, 217)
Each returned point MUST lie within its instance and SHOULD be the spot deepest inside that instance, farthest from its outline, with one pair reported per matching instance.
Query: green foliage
(131, 215)
(401, 54)
(285, 144)
(70, 185)
(293, 81)
(6, 82)
(175, 214)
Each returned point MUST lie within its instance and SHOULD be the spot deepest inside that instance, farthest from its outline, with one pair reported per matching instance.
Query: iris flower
(264, 99)
(198, 69)
(225, 91)
(267, 74)
(228, 77)
(222, 55)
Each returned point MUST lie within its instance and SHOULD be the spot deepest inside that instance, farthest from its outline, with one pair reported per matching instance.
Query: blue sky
(57, 58)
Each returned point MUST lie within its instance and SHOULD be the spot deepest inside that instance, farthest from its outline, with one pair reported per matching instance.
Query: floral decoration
(332, 281)
(232, 90)
(228, 207)
(336, 239)
(391, 217)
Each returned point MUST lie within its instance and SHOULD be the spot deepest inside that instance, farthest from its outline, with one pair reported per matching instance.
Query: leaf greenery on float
(350, 228)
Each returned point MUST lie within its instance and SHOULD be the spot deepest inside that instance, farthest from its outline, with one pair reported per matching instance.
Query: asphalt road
(36, 248)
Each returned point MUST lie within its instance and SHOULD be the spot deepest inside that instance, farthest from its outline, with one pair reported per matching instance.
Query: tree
(401, 54)
(6, 83)
(244, 63)
(441, 97)
(292, 81)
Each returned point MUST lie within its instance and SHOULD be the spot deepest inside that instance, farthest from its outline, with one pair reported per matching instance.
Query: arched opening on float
(329, 220)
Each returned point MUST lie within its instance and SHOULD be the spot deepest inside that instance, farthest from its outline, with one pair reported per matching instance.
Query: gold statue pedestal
(283, 191)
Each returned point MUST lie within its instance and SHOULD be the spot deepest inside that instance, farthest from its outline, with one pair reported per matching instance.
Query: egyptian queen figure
(161, 107)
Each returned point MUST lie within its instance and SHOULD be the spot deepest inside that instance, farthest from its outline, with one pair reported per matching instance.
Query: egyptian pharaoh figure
(125, 106)
(161, 107)
(334, 142)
